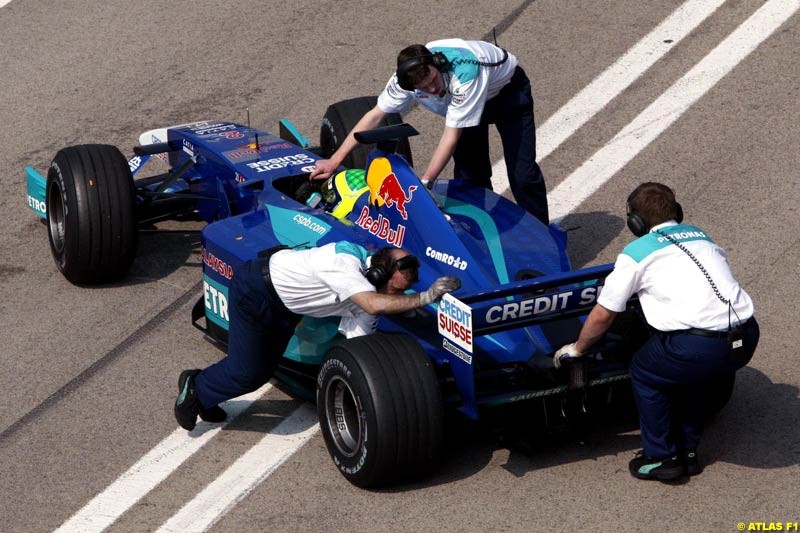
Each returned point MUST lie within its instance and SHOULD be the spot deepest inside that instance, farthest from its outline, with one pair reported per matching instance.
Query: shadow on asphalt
(757, 429)
(589, 234)
(161, 253)
(538, 434)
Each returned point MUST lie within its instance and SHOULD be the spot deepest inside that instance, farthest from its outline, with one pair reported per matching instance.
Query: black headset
(439, 62)
(436, 60)
(379, 276)
(637, 223)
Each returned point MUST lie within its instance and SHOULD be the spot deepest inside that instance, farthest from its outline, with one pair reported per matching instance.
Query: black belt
(264, 257)
(709, 332)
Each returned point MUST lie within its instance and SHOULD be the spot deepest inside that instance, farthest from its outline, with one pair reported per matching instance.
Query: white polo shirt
(319, 282)
(674, 293)
(469, 85)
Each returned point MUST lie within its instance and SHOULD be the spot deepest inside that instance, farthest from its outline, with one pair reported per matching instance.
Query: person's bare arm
(376, 303)
(443, 152)
(596, 325)
(325, 167)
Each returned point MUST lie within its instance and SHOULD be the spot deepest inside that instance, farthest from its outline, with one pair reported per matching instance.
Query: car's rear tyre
(91, 213)
(380, 409)
(342, 117)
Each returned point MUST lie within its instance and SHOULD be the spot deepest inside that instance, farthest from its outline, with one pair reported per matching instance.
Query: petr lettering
(38, 205)
(215, 301)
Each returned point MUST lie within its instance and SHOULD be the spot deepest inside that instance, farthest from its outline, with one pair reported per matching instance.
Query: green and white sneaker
(692, 463)
(644, 467)
(187, 404)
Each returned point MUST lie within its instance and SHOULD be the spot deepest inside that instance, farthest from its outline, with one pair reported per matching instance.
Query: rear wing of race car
(510, 306)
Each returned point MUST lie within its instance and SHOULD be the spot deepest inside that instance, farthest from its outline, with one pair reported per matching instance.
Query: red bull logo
(381, 228)
(393, 194)
(385, 188)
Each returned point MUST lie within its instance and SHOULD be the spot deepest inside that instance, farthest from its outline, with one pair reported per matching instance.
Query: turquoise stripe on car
(294, 227)
(490, 233)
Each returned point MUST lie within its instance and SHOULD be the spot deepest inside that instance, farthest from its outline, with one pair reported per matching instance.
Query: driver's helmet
(341, 190)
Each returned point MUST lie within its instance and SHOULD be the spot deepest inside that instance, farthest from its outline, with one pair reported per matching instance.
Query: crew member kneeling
(269, 296)
(703, 322)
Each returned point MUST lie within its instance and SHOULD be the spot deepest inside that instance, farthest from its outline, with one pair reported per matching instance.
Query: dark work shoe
(644, 467)
(214, 415)
(187, 405)
(692, 463)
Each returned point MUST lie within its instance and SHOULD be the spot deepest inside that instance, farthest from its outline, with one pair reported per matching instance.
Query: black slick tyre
(91, 213)
(342, 117)
(380, 410)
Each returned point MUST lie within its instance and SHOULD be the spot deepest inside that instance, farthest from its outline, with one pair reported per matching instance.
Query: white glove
(437, 288)
(568, 351)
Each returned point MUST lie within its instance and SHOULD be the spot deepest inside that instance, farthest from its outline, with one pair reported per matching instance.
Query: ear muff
(637, 224)
(377, 276)
(437, 60)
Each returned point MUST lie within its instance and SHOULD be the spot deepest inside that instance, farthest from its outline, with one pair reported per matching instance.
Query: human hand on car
(323, 169)
(568, 351)
(439, 287)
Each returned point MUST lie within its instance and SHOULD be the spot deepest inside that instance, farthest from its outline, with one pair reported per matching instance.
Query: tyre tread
(405, 396)
(100, 242)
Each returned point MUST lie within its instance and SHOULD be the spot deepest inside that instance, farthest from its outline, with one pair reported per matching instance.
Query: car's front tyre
(91, 215)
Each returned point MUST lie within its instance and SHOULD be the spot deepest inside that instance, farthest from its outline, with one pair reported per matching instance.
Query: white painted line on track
(612, 81)
(4, 2)
(105, 508)
(246, 473)
(668, 107)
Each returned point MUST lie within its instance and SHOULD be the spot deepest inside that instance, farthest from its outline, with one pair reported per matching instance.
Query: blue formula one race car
(381, 398)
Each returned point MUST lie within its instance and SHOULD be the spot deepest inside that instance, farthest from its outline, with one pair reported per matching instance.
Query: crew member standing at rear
(703, 323)
(471, 84)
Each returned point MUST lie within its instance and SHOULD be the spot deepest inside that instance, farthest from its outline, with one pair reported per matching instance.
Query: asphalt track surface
(89, 374)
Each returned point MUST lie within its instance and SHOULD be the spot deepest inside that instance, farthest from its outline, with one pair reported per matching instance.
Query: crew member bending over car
(268, 297)
(703, 323)
(472, 84)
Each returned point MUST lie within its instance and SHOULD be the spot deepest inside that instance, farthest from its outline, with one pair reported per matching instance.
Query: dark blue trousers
(675, 377)
(260, 327)
(511, 111)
